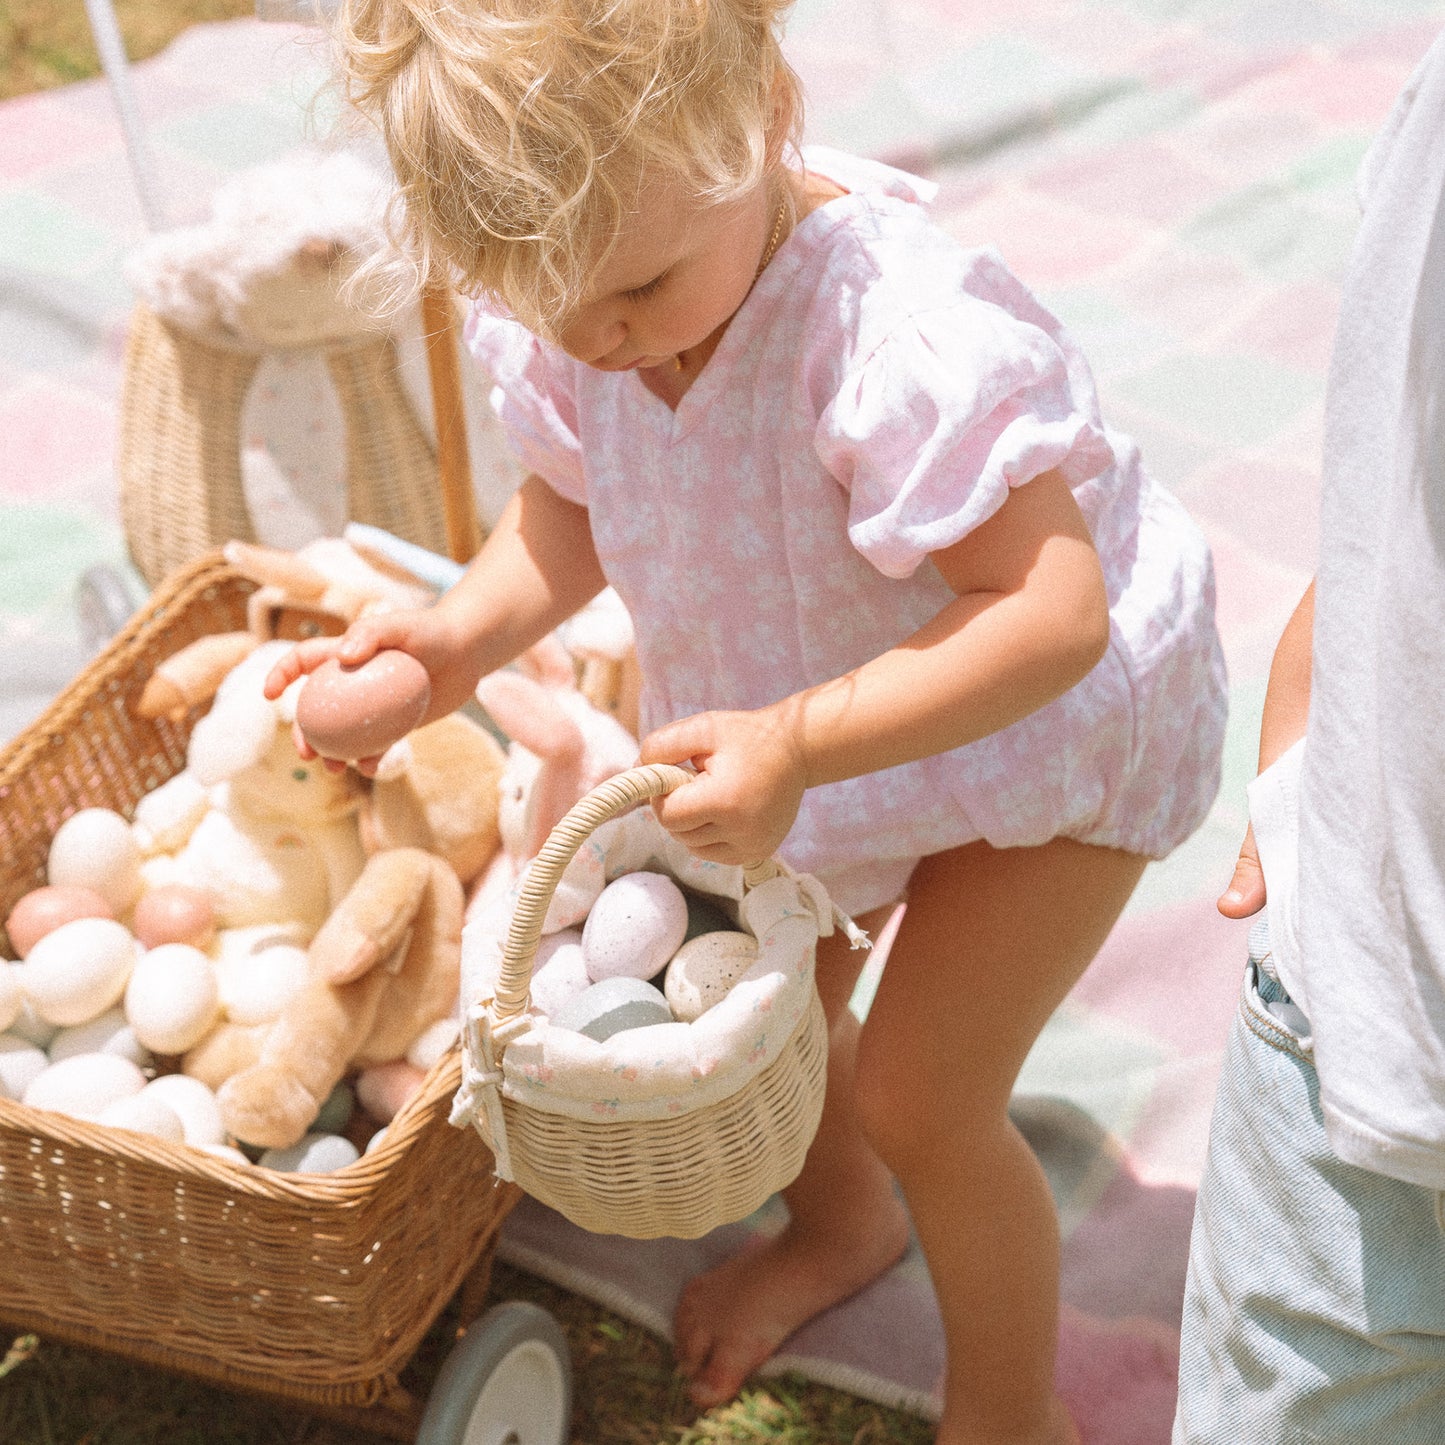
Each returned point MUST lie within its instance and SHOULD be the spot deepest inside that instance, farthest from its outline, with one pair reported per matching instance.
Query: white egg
(194, 1104)
(84, 1085)
(638, 922)
(559, 972)
(224, 1151)
(254, 989)
(315, 1154)
(432, 1043)
(76, 973)
(376, 1141)
(108, 1033)
(172, 1000)
(95, 848)
(12, 995)
(21, 1062)
(143, 1115)
(704, 969)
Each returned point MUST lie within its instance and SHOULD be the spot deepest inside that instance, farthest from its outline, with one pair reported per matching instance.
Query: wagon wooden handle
(609, 800)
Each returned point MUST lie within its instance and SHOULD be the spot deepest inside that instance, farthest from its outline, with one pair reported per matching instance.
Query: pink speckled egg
(43, 910)
(175, 913)
(358, 712)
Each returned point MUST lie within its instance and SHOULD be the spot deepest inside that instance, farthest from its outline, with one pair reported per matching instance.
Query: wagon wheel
(509, 1382)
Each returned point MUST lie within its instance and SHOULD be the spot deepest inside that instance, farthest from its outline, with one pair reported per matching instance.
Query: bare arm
(1286, 712)
(535, 570)
(1030, 620)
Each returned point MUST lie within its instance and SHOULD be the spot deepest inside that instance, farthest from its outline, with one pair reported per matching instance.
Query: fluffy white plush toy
(269, 838)
(335, 419)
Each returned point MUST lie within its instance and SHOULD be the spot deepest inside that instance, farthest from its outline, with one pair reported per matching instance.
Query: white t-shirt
(1364, 953)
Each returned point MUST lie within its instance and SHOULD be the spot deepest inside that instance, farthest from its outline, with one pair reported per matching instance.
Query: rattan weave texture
(681, 1175)
(182, 398)
(318, 1287)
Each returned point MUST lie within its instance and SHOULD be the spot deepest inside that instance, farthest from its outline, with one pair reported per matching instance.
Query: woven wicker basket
(181, 401)
(316, 1288)
(680, 1175)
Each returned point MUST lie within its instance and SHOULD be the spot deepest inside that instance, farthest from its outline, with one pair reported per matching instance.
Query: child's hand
(423, 634)
(749, 785)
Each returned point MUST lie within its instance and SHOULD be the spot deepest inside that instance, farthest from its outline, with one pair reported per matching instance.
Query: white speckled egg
(255, 988)
(144, 1115)
(21, 1062)
(95, 848)
(611, 1006)
(638, 922)
(559, 972)
(84, 1085)
(172, 1000)
(108, 1033)
(704, 969)
(195, 1105)
(79, 971)
(315, 1154)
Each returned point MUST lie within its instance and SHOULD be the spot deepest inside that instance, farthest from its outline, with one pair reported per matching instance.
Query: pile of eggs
(93, 1001)
(647, 954)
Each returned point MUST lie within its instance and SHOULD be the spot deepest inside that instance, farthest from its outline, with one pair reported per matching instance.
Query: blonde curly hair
(521, 131)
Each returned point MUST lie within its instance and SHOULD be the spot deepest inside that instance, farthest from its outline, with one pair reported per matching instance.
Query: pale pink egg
(175, 913)
(45, 909)
(358, 712)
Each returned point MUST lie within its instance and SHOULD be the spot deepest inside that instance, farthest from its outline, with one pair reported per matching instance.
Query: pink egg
(174, 913)
(358, 712)
(45, 909)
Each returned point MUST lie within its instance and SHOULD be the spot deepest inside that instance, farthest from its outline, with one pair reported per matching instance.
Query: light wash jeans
(1314, 1312)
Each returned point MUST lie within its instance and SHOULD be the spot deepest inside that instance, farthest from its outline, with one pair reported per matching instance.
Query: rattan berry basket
(687, 1170)
(316, 1288)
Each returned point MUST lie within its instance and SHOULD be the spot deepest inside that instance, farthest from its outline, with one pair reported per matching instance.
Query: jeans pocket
(1282, 1028)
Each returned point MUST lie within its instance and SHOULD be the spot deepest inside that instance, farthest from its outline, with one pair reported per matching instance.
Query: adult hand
(749, 785)
(1245, 894)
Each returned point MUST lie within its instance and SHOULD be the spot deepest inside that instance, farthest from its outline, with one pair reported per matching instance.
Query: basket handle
(609, 800)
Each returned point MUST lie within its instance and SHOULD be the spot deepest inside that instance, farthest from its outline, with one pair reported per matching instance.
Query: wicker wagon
(314, 1288)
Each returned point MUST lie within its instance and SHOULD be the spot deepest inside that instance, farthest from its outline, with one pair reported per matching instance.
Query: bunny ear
(529, 714)
(549, 662)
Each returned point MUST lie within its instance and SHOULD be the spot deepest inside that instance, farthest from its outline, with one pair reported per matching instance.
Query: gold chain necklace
(774, 239)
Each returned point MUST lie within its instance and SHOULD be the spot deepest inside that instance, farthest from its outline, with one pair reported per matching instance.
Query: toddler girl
(918, 619)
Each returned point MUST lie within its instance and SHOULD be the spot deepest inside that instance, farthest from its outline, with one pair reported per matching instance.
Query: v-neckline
(677, 421)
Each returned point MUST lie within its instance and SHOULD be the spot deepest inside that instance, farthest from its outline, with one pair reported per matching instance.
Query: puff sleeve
(930, 429)
(533, 396)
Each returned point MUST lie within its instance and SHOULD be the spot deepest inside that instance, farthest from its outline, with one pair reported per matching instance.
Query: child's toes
(691, 1341)
(724, 1372)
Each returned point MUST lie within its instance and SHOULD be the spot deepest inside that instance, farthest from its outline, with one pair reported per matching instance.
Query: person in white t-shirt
(1315, 1304)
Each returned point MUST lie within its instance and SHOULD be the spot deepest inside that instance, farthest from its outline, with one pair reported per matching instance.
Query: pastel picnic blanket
(1174, 178)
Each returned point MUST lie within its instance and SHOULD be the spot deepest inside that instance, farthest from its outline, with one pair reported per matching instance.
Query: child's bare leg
(845, 1227)
(992, 941)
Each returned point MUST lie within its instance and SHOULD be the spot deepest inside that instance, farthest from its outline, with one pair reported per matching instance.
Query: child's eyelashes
(649, 288)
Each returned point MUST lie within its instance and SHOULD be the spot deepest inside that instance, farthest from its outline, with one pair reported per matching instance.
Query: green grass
(626, 1390)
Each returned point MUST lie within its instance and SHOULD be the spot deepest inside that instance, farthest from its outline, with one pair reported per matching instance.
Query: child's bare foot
(732, 1318)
